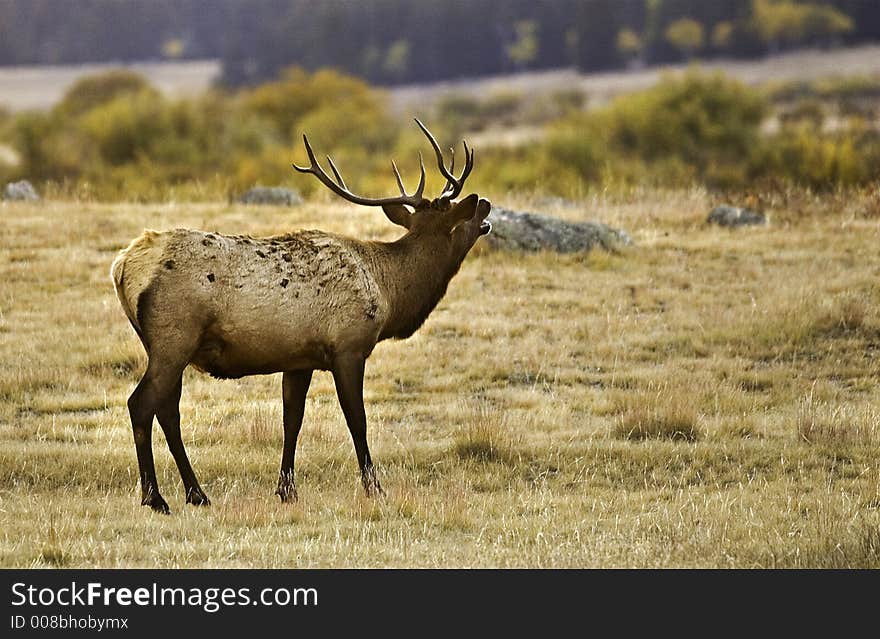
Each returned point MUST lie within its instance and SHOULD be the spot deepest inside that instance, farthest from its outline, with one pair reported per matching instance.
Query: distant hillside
(395, 42)
(805, 64)
(41, 87)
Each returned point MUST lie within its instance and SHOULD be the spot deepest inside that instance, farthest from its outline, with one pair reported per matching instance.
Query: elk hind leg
(158, 383)
(168, 414)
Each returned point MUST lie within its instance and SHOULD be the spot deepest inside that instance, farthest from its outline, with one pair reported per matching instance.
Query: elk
(233, 306)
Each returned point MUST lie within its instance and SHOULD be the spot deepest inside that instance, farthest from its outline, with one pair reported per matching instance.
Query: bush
(457, 113)
(113, 136)
(126, 127)
(94, 90)
(298, 94)
(46, 149)
(125, 140)
(683, 128)
(808, 110)
(696, 117)
(844, 158)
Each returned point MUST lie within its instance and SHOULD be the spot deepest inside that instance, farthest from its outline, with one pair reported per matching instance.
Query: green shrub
(696, 117)
(5, 121)
(126, 127)
(298, 94)
(808, 110)
(457, 113)
(501, 108)
(797, 153)
(47, 149)
(94, 90)
(460, 113)
(115, 137)
(569, 100)
(579, 144)
(685, 127)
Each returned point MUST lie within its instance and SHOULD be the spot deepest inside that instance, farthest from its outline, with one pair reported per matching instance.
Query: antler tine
(421, 187)
(440, 163)
(397, 177)
(469, 162)
(451, 166)
(336, 173)
(311, 154)
(415, 200)
(454, 185)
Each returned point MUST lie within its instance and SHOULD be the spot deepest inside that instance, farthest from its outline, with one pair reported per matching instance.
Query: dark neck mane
(415, 277)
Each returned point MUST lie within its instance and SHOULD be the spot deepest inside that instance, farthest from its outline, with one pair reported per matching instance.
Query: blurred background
(143, 100)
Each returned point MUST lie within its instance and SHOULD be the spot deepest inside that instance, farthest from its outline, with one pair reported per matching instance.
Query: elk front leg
(348, 374)
(294, 387)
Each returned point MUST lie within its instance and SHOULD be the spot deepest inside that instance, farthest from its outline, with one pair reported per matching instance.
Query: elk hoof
(287, 494)
(197, 498)
(155, 501)
(286, 487)
(371, 484)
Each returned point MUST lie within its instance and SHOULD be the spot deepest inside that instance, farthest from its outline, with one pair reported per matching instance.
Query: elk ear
(398, 214)
(462, 211)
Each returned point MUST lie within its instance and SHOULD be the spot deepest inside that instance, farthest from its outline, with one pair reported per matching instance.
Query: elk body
(235, 305)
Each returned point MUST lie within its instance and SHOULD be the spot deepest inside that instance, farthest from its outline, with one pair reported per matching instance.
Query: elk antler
(454, 184)
(414, 200)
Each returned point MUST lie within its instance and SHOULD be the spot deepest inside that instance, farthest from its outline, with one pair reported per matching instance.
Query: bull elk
(236, 305)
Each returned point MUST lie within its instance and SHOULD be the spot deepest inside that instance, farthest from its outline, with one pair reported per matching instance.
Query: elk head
(456, 224)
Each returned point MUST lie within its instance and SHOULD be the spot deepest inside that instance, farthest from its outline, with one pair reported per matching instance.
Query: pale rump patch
(135, 267)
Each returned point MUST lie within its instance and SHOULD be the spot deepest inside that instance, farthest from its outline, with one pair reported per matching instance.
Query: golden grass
(533, 421)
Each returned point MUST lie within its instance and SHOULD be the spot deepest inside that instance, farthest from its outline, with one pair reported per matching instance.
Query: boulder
(512, 230)
(732, 216)
(276, 195)
(22, 191)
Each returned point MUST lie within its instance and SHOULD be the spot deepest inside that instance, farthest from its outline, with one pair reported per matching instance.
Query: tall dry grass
(533, 421)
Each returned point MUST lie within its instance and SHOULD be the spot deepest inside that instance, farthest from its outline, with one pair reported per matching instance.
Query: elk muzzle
(483, 209)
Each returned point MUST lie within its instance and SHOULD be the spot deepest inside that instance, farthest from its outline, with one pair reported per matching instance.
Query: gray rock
(276, 195)
(512, 230)
(22, 191)
(726, 215)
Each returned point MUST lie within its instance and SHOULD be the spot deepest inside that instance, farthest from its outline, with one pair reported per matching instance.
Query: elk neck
(413, 273)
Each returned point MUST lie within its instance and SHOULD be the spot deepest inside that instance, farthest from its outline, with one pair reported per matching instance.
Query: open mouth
(485, 227)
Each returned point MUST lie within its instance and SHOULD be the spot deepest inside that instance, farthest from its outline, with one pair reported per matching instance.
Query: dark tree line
(396, 41)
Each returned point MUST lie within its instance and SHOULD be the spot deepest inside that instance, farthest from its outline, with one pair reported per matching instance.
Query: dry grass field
(706, 398)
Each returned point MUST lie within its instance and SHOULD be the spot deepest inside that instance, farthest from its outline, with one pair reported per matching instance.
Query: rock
(512, 230)
(726, 215)
(276, 195)
(22, 191)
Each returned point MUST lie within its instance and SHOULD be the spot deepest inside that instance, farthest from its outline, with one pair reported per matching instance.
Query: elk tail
(117, 272)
